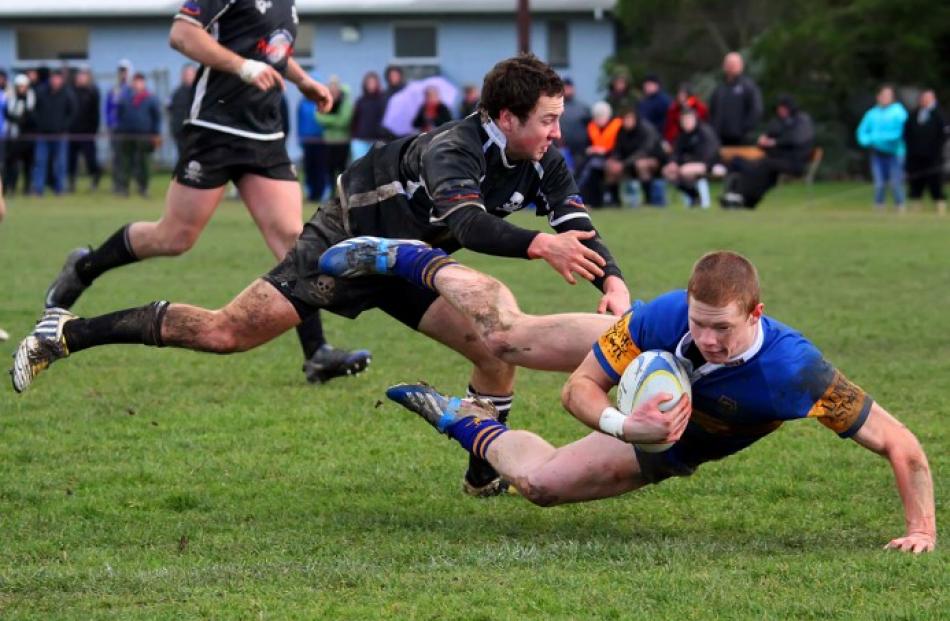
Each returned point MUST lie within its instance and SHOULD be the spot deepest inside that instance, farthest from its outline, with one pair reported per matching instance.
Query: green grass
(145, 484)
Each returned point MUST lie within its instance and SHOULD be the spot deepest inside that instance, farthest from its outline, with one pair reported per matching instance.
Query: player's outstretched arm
(886, 436)
(194, 42)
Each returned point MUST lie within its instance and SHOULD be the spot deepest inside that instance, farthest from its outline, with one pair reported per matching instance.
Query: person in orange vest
(602, 135)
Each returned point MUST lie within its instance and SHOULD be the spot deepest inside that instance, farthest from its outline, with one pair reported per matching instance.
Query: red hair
(721, 277)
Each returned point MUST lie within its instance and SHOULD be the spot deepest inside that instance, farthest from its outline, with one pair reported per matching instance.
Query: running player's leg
(187, 211)
(276, 205)
(257, 315)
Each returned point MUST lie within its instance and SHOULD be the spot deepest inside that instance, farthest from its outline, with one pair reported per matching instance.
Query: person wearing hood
(881, 132)
(367, 128)
(787, 142)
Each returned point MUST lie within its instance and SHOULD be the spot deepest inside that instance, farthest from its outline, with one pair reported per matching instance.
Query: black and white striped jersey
(262, 30)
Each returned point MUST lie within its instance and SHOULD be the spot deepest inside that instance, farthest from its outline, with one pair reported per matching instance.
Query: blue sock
(476, 435)
(419, 264)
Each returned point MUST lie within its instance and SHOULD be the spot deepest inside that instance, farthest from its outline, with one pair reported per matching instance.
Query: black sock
(480, 472)
(115, 252)
(310, 333)
(142, 325)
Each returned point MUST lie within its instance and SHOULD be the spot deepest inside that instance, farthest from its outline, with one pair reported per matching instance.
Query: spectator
(574, 122)
(470, 96)
(395, 80)
(696, 150)
(787, 142)
(655, 103)
(139, 121)
(924, 133)
(336, 130)
(432, 112)
(619, 94)
(685, 98)
(179, 105)
(85, 126)
(54, 113)
(118, 91)
(367, 128)
(20, 127)
(882, 132)
(3, 122)
(736, 105)
(602, 138)
(638, 154)
(310, 136)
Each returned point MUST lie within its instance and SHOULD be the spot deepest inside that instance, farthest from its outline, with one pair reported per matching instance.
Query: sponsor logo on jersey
(514, 203)
(278, 46)
(191, 8)
(193, 171)
(263, 5)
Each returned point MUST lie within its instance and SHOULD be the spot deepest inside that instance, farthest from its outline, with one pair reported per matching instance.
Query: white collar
(496, 137)
(709, 367)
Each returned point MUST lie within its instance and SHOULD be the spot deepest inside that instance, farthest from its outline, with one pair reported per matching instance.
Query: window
(558, 52)
(52, 43)
(415, 41)
(303, 46)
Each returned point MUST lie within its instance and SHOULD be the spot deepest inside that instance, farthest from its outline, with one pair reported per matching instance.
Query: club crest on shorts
(193, 171)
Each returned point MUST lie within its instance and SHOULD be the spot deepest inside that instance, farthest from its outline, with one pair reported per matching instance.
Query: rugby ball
(650, 373)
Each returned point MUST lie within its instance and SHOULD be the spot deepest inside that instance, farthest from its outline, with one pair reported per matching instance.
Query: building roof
(39, 9)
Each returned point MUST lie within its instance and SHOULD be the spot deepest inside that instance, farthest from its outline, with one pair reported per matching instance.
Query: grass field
(145, 484)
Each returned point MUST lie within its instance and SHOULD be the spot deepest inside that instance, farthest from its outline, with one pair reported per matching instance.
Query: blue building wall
(467, 47)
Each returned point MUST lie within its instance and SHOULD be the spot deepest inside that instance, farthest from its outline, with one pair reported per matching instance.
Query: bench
(727, 154)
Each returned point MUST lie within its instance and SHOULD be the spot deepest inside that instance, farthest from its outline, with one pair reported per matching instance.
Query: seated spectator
(602, 138)
(695, 152)
(925, 133)
(787, 142)
(432, 112)
(655, 103)
(638, 155)
(684, 99)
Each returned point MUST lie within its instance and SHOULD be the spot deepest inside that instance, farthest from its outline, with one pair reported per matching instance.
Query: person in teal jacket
(882, 132)
(336, 130)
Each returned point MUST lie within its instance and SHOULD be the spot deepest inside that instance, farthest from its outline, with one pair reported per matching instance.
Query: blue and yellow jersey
(782, 376)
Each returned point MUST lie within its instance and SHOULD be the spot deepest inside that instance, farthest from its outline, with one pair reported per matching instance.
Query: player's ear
(757, 311)
(506, 120)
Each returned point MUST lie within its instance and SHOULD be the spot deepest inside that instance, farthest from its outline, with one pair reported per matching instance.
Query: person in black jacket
(432, 112)
(925, 133)
(695, 152)
(85, 126)
(736, 105)
(638, 155)
(787, 142)
(140, 119)
(20, 128)
(179, 105)
(54, 114)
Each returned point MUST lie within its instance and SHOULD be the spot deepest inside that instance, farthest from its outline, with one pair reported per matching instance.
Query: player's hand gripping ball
(651, 373)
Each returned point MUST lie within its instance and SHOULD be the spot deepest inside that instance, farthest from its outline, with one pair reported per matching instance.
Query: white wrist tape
(250, 69)
(611, 422)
